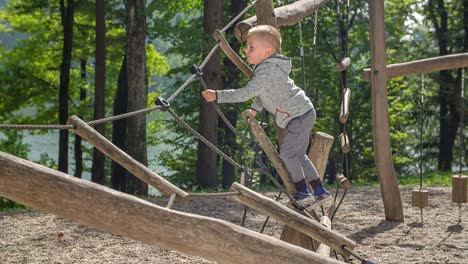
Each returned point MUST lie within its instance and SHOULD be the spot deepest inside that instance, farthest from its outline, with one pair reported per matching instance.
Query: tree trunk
(137, 89)
(66, 13)
(208, 118)
(231, 81)
(97, 170)
(449, 116)
(118, 173)
(78, 147)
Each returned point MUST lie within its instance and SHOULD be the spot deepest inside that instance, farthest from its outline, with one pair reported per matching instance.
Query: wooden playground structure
(306, 237)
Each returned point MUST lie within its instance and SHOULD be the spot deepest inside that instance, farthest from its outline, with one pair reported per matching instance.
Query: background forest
(102, 58)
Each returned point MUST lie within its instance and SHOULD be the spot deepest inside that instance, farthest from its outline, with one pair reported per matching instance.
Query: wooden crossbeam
(440, 63)
(100, 207)
(232, 55)
(285, 15)
(136, 168)
(291, 218)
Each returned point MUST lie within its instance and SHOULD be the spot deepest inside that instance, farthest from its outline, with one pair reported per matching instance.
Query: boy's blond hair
(269, 34)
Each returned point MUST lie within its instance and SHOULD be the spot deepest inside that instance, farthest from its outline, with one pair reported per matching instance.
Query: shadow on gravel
(372, 231)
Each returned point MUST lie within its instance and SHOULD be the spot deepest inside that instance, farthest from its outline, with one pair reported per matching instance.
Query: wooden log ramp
(285, 15)
(139, 170)
(269, 150)
(291, 218)
(100, 207)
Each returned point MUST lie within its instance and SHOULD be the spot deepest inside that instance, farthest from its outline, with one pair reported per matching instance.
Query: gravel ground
(35, 237)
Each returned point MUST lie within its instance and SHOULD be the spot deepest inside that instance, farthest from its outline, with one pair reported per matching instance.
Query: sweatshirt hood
(281, 61)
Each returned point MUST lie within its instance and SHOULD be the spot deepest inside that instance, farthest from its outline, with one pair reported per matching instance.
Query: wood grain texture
(420, 198)
(324, 249)
(343, 64)
(232, 55)
(291, 218)
(459, 187)
(139, 170)
(344, 109)
(97, 206)
(440, 63)
(380, 118)
(285, 15)
(269, 150)
(320, 150)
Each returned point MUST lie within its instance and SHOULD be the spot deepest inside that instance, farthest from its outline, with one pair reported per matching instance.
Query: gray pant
(293, 143)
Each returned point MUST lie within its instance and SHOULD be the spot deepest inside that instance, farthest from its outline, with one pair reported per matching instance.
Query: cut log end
(459, 188)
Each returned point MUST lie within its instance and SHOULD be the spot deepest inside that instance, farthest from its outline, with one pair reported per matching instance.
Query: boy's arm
(253, 88)
(257, 104)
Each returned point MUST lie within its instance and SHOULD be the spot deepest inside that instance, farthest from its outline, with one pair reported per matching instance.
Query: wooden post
(440, 63)
(139, 170)
(380, 123)
(344, 109)
(291, 218)
(232, 55)
(269, 150)
(100, 207)
(459, 187)
(324, 249)
(285, 15)
(320, 150)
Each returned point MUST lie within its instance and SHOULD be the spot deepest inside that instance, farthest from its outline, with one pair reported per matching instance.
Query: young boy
(293, 111)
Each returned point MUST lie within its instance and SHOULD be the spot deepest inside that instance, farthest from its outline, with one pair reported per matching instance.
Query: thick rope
(223, 117)
(91, 123)
(204, 140)
(238, 16)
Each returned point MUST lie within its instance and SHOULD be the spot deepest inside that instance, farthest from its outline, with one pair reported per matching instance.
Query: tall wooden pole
(380, 120)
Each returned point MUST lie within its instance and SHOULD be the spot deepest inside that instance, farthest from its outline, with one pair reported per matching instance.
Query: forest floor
(34, 237)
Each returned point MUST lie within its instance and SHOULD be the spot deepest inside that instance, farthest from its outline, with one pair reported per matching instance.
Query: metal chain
(301, 50)
(315, 26)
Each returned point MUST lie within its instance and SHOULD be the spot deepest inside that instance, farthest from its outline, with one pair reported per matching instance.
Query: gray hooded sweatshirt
(273, 90)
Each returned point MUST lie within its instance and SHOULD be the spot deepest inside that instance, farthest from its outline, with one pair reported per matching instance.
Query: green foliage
(9, 205)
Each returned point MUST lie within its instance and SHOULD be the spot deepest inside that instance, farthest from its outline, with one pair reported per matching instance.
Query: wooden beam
(380, 120)
(232, 55)
(100, 207)
(292, 218)
(265, 13)
(440, 63)
(324, 249)
(320, 150)
(136, 168)
(269, 150)
(285, 15)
